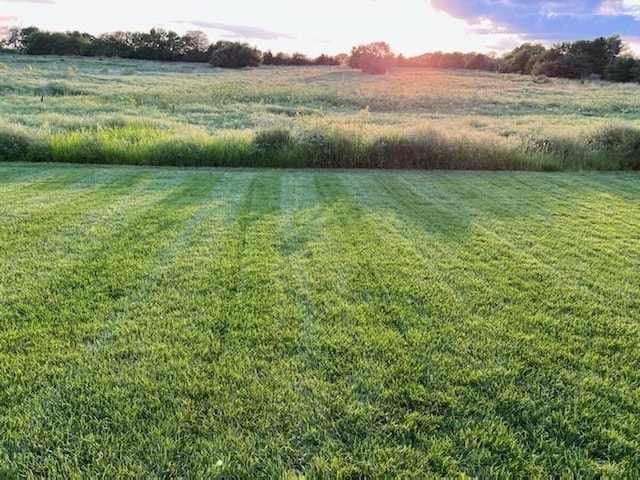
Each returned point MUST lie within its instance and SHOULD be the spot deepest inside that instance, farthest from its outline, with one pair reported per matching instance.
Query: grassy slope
(118, 111)
(181, 322)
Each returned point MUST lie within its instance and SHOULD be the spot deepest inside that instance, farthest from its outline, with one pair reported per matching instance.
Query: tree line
(599, 58)
(157, 44)
(603, 58)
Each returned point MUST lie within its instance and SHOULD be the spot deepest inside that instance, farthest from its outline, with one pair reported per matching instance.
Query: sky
(411, 27)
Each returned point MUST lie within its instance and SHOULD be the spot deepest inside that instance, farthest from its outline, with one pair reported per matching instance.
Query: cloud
(7, 18)
(241, 31)
(548, 20)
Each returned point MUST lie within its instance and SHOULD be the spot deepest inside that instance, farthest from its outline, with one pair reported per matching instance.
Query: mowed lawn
(248, 323)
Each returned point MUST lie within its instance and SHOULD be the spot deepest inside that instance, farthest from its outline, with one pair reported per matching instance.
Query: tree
(117, 44)
(622, 69)
(522, 59)
(196, 46)
(19, 37)
(479, 61)
(453, 60)
(268, 58)
(227, 54)
(578, 59)
(374, 58)
(38, 42)
(158, 44)
(299, 59)
(324, 59)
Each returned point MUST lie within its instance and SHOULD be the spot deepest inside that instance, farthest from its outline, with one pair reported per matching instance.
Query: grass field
(248, 323)
(137, 112)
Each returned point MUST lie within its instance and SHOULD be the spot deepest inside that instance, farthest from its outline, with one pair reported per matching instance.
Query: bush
(14, 143)
(622, 69)
(375, 58)
(272, 140)
(235, 55)
(272, 147)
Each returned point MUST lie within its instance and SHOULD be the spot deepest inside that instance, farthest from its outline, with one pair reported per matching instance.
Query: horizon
(410, 27)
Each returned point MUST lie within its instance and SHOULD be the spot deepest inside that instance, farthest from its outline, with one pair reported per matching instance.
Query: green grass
(250, 323)
(75, 110)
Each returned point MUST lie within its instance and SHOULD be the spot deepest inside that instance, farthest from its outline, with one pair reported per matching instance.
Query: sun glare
(410, 27)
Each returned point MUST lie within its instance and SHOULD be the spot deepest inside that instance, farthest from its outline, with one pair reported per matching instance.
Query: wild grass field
(137, 112)
(246, 323)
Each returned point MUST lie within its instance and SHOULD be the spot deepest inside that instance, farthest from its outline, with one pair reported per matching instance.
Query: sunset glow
(411, 27)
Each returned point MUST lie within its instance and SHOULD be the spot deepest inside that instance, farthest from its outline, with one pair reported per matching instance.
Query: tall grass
(127, 112)
(607, 148)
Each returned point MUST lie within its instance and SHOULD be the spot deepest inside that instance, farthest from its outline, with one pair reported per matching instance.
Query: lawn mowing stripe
(345, 340)
(238, 235)
(369, 394)
(67, 183)
(51, 213)
(18, 177)
(174, 198)
(541, 237)
(248, 348)
(326, 324)
(88, 221)
(630, 380)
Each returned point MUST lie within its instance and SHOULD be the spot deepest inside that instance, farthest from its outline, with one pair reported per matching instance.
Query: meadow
(83, 110)
(245, 323)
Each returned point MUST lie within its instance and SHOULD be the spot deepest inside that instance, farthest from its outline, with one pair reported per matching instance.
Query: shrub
(14, 143)
(272, 140)
(235, 55)
(621, 143)
(622, 69)
(374, 58)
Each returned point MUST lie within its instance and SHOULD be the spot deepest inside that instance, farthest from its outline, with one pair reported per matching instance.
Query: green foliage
(157, 44)
(623, 69)
(272, 140)
(523, 58)
(227, 54)
(619, 140)
(57, 43)
(15, 142)
(579, 59)
(376, 58)
(283, 324)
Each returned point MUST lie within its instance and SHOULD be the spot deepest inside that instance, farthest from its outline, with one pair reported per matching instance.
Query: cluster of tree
(457, 60)
(601, 57)
(300, 59)
(624, 68)
(581, 59)
(378, 58)
(567, 59)
(157, 44)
